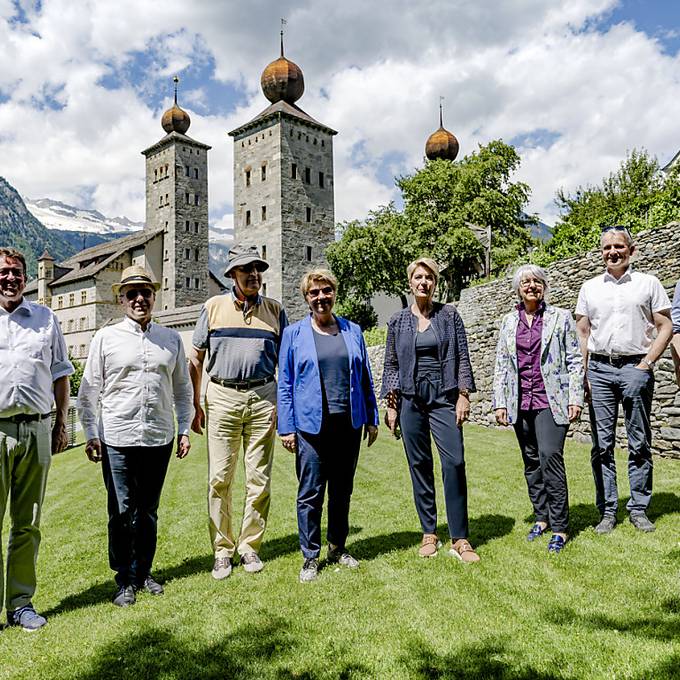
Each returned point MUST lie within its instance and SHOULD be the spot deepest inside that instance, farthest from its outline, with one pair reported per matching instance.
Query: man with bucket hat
(135, 371)
(240, 331)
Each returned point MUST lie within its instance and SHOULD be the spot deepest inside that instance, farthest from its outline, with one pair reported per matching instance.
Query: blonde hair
(320, 274)
(426, 262)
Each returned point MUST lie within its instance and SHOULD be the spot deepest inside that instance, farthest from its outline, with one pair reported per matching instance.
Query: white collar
(134, 326)
(626, 276)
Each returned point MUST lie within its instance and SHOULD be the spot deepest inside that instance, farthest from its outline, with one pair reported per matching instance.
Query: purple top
(532, 395)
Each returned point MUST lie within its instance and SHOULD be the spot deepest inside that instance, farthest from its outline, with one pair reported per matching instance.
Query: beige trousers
(238, 419)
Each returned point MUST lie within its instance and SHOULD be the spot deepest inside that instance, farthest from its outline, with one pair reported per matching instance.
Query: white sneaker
(310, 570)
(251, 563)
(221, 568)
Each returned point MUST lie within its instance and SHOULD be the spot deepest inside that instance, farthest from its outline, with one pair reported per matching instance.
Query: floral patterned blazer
(561, 364)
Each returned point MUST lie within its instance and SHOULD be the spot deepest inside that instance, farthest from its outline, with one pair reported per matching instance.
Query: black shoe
(124, 597)
(606, 525)
(640, 521)
(26, 618)
(151, 586)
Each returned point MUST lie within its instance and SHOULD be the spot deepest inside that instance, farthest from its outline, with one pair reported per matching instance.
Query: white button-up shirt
(32, 356)
(131, 379)
(620, 311)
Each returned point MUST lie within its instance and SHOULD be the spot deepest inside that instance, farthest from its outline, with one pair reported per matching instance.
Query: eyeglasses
(315, 292)
(525, 283)
(133, 293)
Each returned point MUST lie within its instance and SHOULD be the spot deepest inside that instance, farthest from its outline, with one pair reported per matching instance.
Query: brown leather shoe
(463, 551)
(429, 545)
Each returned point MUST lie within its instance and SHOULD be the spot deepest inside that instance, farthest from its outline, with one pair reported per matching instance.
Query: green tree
(77, 375)
(441, 201)
(637, 195)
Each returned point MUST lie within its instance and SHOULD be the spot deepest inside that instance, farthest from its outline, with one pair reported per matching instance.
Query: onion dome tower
(282, 80)
(441, 143)
(176, 119)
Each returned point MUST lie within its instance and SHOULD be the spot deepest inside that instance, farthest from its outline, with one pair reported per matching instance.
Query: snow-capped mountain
(58, 215)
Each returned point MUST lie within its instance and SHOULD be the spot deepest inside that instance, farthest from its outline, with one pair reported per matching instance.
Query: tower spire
(441, 120)
(176, 81)
(283, 23)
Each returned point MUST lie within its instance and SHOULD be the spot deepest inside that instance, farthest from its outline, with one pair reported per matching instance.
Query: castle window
(264, 213)
(314, 141)
(306, 138)
(165, 284)
(71, 299)
(197, 199)
(167, 200)
(264, 252)
(264, 173)
(187, 281)
(247, 217)
(299, 135)
(186, 171)
(308, 253)
(83, 323)
(247, 178)
(186, 226)
(155, 175)
(195, 227)
(166, 170)
(323, 143)
(293, 171)
(242, 144)
(83, 297)
(69, 326)
(197, 283)
(195, 173)
(160, 200)
(321, 179)
(187, 253)
(186, 197)
(196, 254)
(82, 350)
(308, 214)
(308, 175)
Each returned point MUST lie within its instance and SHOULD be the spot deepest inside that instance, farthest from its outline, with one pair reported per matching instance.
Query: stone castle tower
(283, 186)
(177, 201)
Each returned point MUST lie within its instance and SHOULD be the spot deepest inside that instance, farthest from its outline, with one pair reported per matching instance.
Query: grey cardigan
(400, 351)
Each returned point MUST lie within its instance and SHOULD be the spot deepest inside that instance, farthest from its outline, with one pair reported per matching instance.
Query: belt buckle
(241, 385)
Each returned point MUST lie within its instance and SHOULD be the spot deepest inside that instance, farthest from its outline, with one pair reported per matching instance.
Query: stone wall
(482, 308)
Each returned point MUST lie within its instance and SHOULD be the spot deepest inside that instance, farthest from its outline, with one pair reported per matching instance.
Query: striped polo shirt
(241, 344)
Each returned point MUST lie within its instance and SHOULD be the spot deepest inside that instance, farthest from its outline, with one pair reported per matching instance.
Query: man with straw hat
(134, 373)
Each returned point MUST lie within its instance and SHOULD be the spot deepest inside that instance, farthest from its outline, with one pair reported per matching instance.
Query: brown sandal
(429, 545)
(463, 551)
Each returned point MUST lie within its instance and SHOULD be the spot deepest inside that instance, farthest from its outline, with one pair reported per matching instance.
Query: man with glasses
(135, 371)
(35, 374)
(623, 323)
(241, 332)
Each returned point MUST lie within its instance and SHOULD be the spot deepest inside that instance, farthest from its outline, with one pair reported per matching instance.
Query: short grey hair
(618, 229)
(535, 272)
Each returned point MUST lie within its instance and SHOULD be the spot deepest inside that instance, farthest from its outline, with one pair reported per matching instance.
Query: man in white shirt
(623, 323)
(35, 374)
(135, 370)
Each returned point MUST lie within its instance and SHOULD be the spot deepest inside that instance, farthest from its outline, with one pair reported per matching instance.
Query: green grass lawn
(607, 607)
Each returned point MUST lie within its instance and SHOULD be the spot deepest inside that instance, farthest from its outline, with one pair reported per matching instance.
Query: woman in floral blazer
(538, 389)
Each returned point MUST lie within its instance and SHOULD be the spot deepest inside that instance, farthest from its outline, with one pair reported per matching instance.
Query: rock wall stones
(482, 308)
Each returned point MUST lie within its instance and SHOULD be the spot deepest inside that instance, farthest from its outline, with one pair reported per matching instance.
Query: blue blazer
(300, 400)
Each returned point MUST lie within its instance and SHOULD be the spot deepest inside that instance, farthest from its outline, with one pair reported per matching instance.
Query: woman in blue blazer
(325, 399)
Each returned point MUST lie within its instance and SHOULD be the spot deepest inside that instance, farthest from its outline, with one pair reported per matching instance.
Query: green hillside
(20, 229)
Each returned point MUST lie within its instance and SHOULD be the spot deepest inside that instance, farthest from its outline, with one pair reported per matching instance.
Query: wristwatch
(649, 363)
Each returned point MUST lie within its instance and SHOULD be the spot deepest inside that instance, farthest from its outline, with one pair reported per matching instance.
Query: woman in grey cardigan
(538, 389)
(427, 381)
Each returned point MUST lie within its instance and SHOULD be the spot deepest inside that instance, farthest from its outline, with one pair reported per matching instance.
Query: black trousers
(432, 412)
(328, 458)
(133, 476)
(541, 441)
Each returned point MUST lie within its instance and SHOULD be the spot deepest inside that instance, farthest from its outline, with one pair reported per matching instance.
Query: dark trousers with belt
(328, 458)
(611, 385)
(433, 412)
(133, 476)
(541, 441)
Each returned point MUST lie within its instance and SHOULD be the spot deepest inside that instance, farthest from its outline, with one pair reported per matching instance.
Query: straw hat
(134, 276)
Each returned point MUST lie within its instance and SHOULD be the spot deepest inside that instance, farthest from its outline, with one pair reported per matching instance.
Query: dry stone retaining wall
(482, 308)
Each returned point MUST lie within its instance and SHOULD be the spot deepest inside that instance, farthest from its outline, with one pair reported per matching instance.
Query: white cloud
(505, 69)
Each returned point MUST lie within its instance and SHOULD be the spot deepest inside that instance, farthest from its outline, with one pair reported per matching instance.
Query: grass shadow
(254, 650)
(485, 528)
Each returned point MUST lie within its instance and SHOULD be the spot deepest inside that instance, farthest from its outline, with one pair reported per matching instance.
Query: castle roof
(175, 136)
(279, 110)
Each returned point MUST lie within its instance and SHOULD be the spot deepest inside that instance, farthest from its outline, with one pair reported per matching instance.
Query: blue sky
(575, 84)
